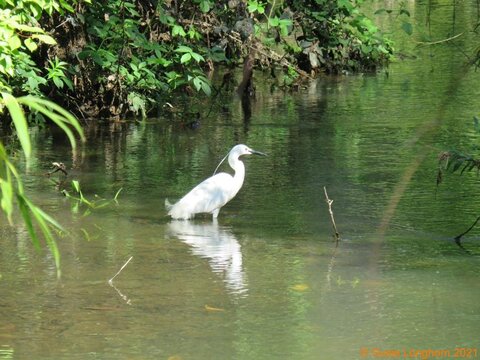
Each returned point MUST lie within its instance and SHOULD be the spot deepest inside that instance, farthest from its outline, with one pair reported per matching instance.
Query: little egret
(210, 195)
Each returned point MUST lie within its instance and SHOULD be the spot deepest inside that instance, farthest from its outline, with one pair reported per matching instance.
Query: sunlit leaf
(6, 188)
(117, 193)
(185, 58)
(30, 44)
(213, 309)
(27, 219)
(41, 219)
(47, 39)
(183, 49)
(60, 115)
(14, 42)
(300, 287)
(18, 118)
(178, 30)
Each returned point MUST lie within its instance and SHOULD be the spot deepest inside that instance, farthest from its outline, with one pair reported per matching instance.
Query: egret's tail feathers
(177, 211)
(168, 206)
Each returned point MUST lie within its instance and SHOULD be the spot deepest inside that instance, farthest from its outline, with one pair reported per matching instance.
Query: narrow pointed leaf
(19, 121)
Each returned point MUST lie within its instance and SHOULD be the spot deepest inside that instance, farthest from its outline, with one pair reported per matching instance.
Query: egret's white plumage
(212, 194)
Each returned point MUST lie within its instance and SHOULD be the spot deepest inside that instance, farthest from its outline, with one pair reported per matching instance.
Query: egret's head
(239, 150)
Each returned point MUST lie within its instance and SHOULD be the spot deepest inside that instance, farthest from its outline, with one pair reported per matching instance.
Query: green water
(266, 281)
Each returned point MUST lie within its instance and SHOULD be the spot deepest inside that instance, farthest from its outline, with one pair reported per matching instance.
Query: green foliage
(129, 56)
(21, 34)
(136, 62)
(56, 73)
(79, 199)
(338, 36)
(11, 187)
(453, 161)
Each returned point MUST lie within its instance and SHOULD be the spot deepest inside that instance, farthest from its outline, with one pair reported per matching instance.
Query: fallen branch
(329, 202)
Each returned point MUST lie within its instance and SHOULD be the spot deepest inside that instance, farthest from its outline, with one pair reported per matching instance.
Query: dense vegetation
(121, 57)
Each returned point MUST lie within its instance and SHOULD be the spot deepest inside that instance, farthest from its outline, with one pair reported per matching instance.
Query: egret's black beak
(258, 153)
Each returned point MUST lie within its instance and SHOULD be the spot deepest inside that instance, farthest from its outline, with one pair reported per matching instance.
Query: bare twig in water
(458, 238)
(119, 271)
(329, 202)
(110, 282)
(58, 166)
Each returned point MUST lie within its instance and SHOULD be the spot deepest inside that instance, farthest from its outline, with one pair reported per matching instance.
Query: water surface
(266, 281)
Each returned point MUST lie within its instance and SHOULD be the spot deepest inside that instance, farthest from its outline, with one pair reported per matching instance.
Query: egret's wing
(207, 196)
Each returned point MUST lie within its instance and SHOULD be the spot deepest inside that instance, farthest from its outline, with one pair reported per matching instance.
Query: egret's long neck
(239, 168)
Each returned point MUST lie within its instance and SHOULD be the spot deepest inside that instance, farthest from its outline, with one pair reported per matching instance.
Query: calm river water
(266, 281)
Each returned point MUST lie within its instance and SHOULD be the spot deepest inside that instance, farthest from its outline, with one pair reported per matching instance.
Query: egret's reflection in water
(219, 246)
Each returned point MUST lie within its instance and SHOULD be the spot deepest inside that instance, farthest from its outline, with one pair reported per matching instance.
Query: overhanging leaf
(18, 118)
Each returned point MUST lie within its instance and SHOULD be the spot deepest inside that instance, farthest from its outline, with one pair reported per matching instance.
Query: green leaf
(69, 83)
(60, 114)
(76, 185)
(205, 6)
(185, 58)
(58, 82)
(19, 121)
(274, 21)
(26, 28)
(117, 193)
(42, 220)
(27, 219)
(178, 30)
(30, 44)
(183, 49)
(197, 82)
(6, 189)
(47, 39)
(197, 57)
(206, 88)
(14, 42)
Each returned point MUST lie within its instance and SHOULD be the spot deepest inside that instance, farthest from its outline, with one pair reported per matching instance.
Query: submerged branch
(458, 238)
(425, 43)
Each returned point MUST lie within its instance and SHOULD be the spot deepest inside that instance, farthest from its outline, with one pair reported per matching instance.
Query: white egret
(213, 193)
